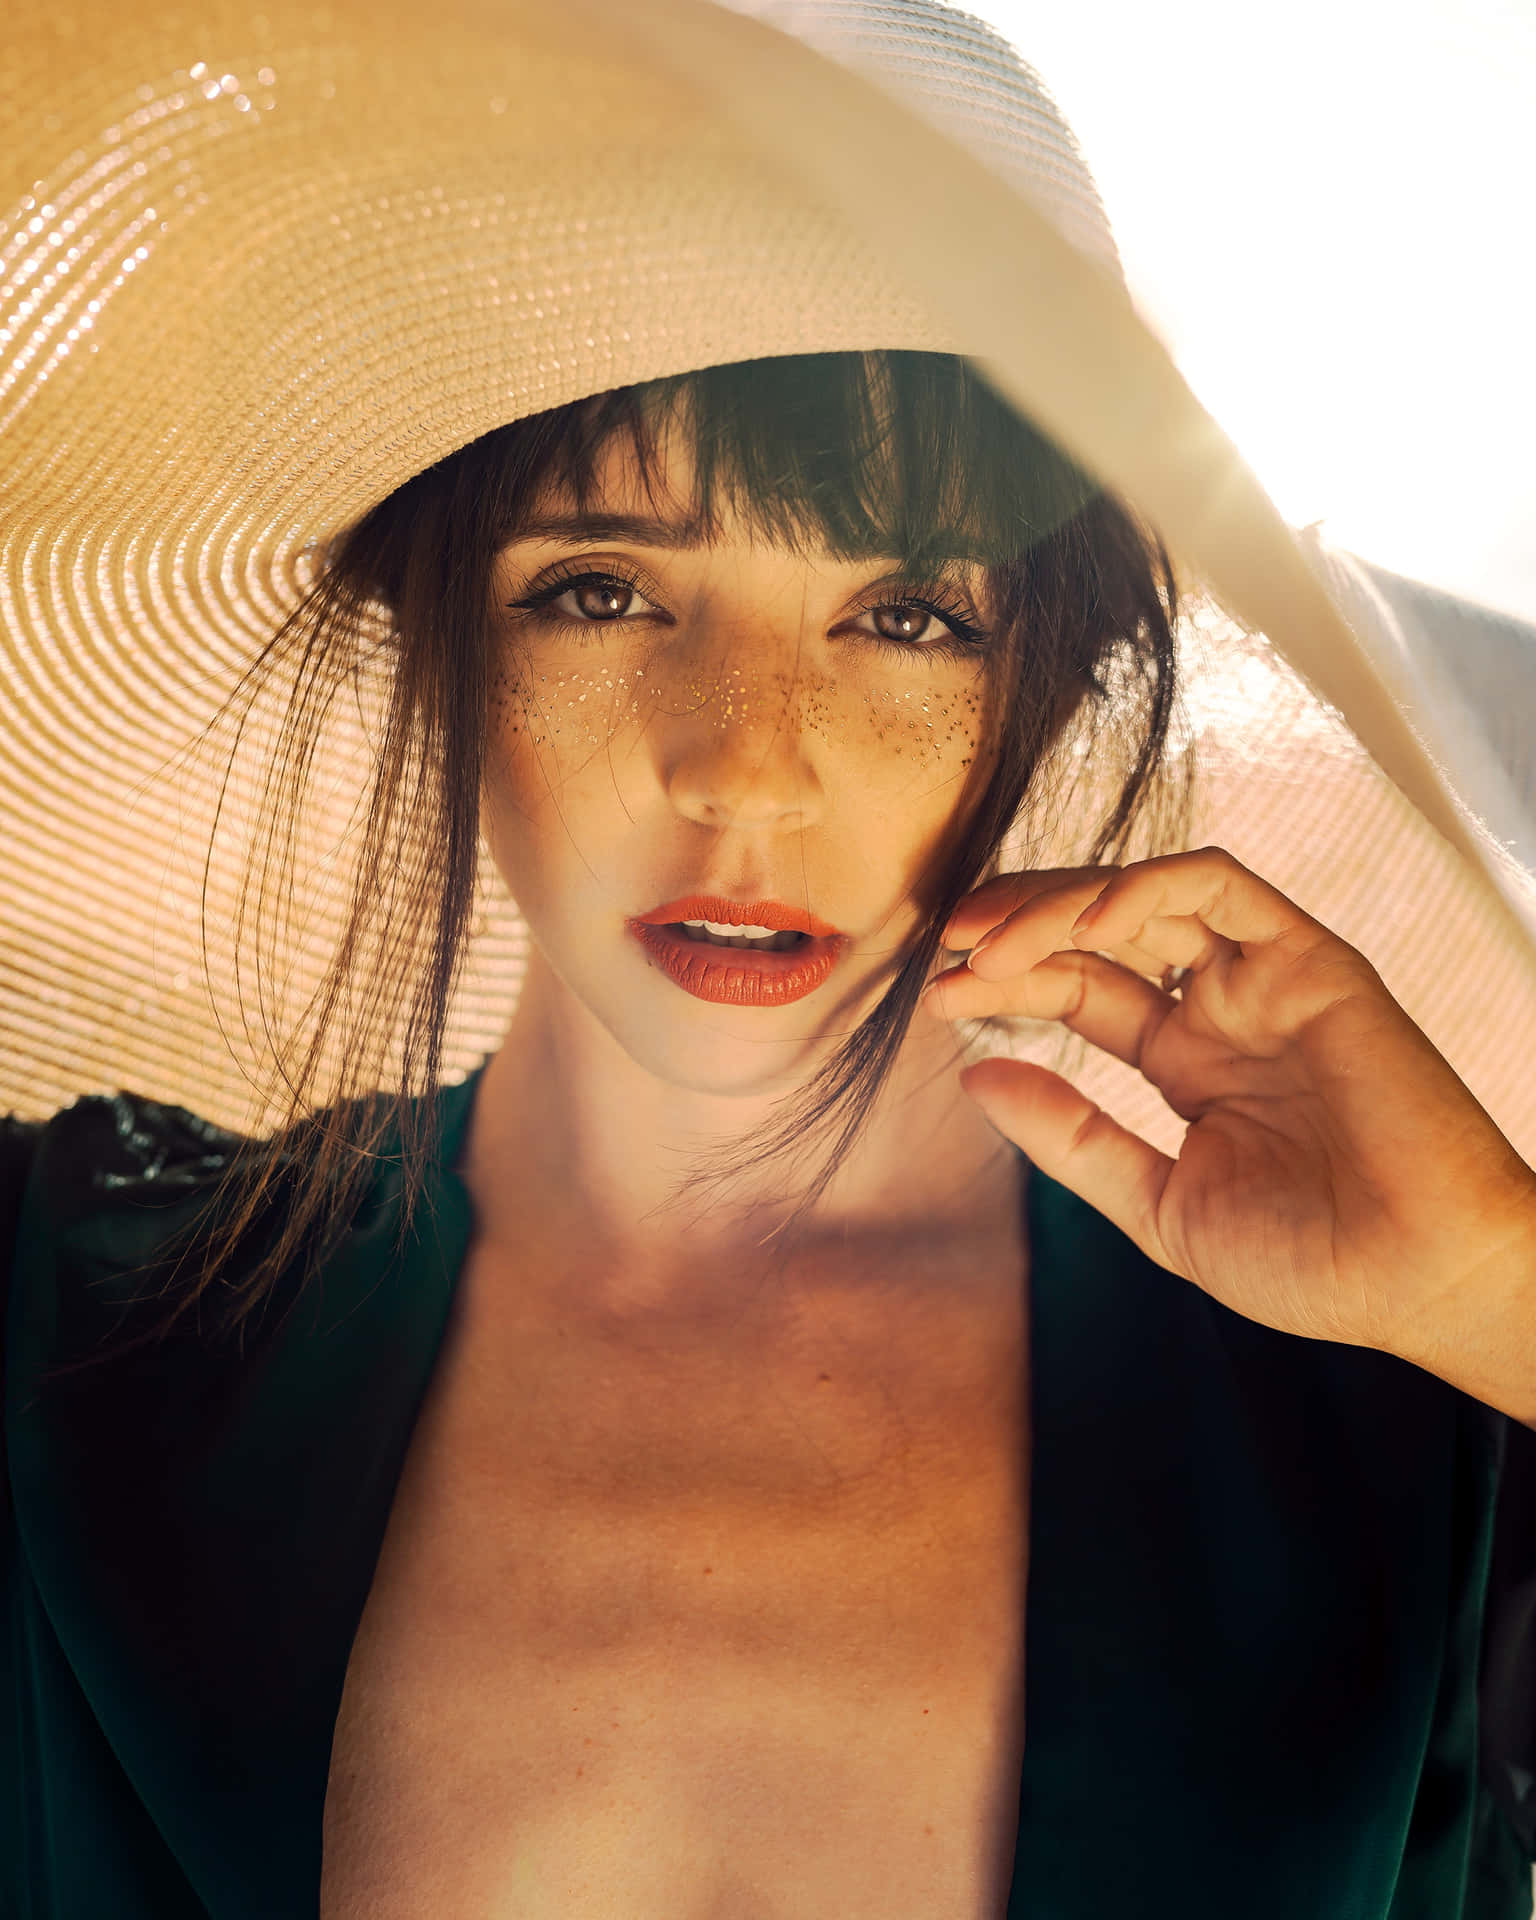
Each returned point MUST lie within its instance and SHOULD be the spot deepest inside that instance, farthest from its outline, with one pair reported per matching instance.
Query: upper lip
(738, 913)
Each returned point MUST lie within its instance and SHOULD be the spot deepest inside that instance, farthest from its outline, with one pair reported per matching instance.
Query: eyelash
(967, 641)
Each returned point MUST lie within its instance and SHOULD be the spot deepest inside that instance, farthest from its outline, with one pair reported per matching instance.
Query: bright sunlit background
(1328, 210)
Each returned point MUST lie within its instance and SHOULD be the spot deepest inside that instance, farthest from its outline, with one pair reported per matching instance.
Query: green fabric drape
(1258, 1571)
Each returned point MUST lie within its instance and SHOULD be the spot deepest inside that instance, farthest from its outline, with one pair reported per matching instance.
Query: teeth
(762, 939)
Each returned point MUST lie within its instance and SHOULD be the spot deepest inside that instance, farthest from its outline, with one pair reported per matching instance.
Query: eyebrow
(647, 530)
(644, 530)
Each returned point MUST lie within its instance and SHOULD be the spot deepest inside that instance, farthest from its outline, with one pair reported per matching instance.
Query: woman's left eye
(907, 622)
(919, 626)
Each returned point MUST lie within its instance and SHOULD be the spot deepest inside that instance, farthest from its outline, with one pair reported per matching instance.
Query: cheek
(542, 725)
(546, 721)
(874, 735)
(929, 728)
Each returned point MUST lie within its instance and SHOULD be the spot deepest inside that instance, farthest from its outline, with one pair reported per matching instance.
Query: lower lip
(740, 976)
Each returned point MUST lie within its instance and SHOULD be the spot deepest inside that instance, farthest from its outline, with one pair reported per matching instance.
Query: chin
(733, 1052)
(715, 1050)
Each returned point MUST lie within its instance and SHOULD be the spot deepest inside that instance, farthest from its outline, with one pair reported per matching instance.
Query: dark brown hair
(900, 453)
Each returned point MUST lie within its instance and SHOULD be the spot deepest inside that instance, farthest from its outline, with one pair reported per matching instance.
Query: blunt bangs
(852, 454)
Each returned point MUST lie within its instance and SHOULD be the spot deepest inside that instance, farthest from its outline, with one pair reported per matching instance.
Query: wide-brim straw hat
(260, 263)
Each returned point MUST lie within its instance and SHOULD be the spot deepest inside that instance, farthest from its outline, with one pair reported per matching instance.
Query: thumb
(1076, 1143)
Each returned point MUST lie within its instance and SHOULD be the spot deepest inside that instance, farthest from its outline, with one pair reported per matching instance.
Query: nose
(739, 756)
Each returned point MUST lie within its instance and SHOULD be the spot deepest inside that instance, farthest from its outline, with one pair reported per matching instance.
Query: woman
(710, 1460)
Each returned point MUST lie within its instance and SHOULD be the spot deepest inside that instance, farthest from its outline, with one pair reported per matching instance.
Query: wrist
(1478, 1333)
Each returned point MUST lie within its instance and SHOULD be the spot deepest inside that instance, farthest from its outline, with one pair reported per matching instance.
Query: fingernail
(981, 944)
(1087, 917)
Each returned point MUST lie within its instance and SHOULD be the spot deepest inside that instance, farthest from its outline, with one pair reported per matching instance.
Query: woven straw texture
(259, 267)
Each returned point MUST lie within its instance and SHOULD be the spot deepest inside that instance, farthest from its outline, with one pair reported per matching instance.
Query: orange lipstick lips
(739, 976)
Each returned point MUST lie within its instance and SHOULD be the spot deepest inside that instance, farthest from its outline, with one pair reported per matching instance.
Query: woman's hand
(1337, 1179)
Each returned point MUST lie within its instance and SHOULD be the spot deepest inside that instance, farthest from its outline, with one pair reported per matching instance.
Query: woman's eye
(602, 599)
(902, 622)
(597, 600)
(910, 623)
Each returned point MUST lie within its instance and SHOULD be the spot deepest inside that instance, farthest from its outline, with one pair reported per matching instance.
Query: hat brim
(239, 319)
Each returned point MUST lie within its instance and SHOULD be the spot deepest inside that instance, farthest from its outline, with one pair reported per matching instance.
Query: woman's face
(730, 734)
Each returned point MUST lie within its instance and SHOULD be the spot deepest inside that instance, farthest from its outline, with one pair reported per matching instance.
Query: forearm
(1480, 1335)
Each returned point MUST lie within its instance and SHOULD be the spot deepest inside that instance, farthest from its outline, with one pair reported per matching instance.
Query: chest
(696, 1616)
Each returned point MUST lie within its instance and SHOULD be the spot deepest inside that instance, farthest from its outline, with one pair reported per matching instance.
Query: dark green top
(1281, 1633)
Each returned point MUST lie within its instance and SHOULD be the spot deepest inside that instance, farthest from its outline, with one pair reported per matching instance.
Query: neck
(569, 1128)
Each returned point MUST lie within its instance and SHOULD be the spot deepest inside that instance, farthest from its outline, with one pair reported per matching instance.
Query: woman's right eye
(589, 600)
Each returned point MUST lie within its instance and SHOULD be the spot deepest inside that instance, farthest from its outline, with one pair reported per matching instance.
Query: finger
(1039, 926)
(1077, 1144)
(1046, 924)
(1053, 919)
(991, 903)
(1162, 944)
(1104, 1004)
(1208, 886)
